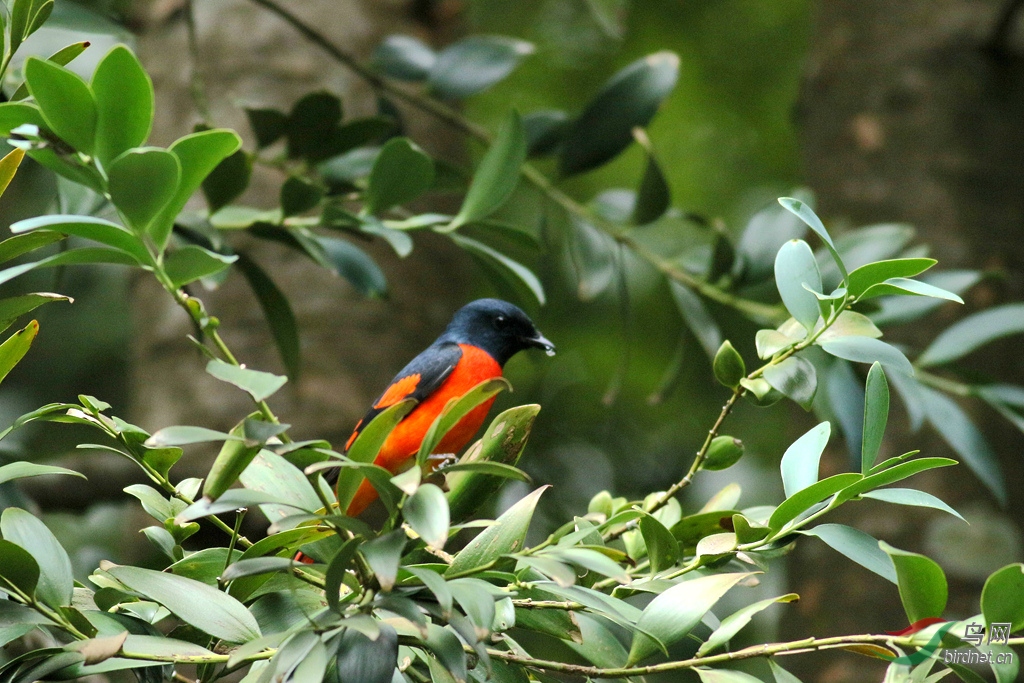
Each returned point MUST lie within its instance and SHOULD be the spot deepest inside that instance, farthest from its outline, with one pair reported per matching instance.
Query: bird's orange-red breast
(475, 346)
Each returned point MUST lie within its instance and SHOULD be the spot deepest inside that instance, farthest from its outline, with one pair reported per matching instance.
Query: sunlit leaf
(800, 461)
(506, 536)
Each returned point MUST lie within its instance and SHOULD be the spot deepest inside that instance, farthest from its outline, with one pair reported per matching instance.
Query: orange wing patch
(397, 391)
(355, 433)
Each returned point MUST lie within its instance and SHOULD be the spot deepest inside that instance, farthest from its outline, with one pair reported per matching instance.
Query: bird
(481, 337)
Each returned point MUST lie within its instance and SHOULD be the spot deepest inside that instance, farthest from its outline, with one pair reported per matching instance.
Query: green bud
(760, 392)
(232, 460)
(724, 451)
(728, 365)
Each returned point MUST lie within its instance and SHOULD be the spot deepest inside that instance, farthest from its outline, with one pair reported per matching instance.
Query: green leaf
(544, 130)
(426, 511)
(14, 307)
(259, 385)
(84, 255)
(911, 497)
(383, 554)
(272, 474)
(195, 603)
(629, 100)
(18, 568)
(972, 333)
(723, 453)
(55, 578)
(21, 469)
(9, 166)
(269, 125)
(353, 264)
(502, 444)
(800, 461)
(808, 497)
(519, 277)
(905, 286)
(856, 545)
(796, 378)
(278, 313)
(697, 319)
(474, 64)
(366, 446)
(67, 104)
(124, 104)
(735, 622)
(403, 58)
(795, 266)
(653, 197)
(728, 365)
(298, 195)
(893, 474)
(1002, 598)
(311, 124)
(257, 566)
(87, 227)
(672, 614)
(849, 323)
(228, 180)
(662, 546)
(496, 176)
(922, 583)
(868, 350)
(506, 536)
(780, 674)
(807, 215)
(901, 309)
(871, 274)
(401, 172)
(13, 247)
(205, 565)
(184, 435)
(141, 182)
(495, 469)
(763, 236)
(876, 414)
(724, 676)
(455, 410)
(39, 17)
(231, 500)
(191, 262)
(15, 347)
(198, 154)
(965, 438)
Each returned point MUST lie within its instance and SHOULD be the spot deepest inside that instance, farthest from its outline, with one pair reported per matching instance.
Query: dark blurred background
(889, 112)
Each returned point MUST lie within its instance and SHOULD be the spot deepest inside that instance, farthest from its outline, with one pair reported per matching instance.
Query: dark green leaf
(427, 514)
(13, 247)
(18, 568)
(362, 659)
(876, 414)
(728, 365)
(506, 536)
(205, 565)
(629, 100)
(192, 262)
(20, 470)
(874, 273)
(312, 122)
(905, 286)
(544, 131)
(195, 603)
(922, 583)
(269, 125)
(867, 350)
(55, 578)
(404, 58)
(519, 277)
(672, 614)
(662, 546)
(141, 182)
(67, 104)
(972, 333)
(401, 172)
(807, 215)
(278, 313)
(256, 566)
(448, 649)
(353, 264)
(796, 378)
(383, 554)
(856, 545)
(800, 461)
(593, 258)
(497, 175)
(13, 308)
(227, 181)
(893, 474)
(198, 154)
(653, 196)
(474, 64)
(124, 103)
(299, 195)
(1002, 598)
(795, 266)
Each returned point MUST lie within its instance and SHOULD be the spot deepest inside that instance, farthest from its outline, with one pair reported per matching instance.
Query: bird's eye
(501, 322)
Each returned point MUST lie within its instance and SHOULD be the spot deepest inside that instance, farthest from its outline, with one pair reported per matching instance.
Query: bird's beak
(541, 342)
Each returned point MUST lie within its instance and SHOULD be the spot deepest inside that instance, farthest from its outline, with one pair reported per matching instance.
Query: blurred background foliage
(845, 98)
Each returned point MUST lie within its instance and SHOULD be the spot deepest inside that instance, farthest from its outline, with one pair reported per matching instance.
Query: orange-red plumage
(475, 366)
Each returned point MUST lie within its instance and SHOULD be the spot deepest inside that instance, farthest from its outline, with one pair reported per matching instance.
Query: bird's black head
(498, 327)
